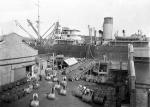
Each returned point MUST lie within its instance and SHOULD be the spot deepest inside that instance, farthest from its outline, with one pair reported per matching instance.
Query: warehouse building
(16, 58)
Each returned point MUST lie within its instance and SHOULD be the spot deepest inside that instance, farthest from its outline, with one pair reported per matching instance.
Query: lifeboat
(51, 95)
(29, 89)
(87, 96)
(34, 102)
(63, 91)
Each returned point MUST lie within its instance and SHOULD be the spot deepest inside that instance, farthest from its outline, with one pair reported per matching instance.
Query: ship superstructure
(65, 35)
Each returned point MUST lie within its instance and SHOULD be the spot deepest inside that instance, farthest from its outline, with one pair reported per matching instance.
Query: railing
(142, 85)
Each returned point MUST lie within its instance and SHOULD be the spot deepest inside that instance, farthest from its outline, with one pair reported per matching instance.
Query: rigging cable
(91, 52)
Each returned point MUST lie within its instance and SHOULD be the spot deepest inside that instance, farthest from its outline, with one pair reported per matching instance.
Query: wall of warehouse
(19, 73)
(15, 56)
(6, 75)
(12, 73)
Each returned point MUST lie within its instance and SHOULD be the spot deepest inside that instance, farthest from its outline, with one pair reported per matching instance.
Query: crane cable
(24, 29)
(48, 30)
(91, 52)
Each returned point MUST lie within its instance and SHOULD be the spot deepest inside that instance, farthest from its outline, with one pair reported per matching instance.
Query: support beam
(132, 76)
(22, 28)
(36, 32)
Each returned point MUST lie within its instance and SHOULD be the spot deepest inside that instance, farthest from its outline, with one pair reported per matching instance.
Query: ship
(65, 42)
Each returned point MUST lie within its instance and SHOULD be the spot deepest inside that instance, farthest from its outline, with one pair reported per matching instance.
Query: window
(28, 68)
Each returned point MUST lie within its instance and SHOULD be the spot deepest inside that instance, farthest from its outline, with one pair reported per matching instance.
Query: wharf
(60, 101)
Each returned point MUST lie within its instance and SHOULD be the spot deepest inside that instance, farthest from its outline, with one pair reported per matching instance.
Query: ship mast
(38, 21)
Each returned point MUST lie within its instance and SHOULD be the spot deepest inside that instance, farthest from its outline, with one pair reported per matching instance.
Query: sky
(130, 15)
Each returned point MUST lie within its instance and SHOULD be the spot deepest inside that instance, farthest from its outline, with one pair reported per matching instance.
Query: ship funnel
(107, 28)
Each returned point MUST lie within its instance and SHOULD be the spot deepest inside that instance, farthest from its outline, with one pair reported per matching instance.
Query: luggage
(5, 87)
(63, 92)
(87, 97)
(51, 96)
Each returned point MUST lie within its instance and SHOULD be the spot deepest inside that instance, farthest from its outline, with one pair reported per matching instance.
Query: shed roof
(71, 61)
(12, 46)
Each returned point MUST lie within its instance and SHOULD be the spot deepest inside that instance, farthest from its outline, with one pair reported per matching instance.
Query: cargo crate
(5, 87)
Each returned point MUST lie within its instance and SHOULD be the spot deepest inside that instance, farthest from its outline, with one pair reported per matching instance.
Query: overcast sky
(130, 15)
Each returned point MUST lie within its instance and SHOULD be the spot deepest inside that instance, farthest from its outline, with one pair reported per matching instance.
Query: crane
(50, 35)
(40, 39)
(22, 28)
(48, 30)
(34, 29)
(53, 33)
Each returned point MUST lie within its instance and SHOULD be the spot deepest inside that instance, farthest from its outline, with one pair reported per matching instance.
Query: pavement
(60, 101)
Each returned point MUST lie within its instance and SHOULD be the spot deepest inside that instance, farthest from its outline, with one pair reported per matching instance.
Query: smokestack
(107, 28)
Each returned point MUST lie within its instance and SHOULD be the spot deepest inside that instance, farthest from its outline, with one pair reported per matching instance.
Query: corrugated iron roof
(71, 61)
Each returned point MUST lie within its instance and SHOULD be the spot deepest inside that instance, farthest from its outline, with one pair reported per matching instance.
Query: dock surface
(60, 101)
